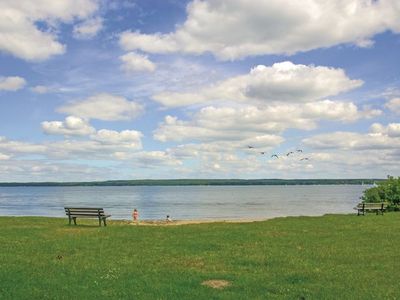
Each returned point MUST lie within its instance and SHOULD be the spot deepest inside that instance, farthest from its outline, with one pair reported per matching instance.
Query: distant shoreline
(198, 182)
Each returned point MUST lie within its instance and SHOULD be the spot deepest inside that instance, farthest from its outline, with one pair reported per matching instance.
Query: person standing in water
(135, 216)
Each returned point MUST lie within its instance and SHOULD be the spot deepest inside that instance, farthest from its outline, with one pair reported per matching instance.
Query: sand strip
(189, 222)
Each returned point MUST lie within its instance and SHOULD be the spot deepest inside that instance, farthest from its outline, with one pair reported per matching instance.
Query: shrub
(386, 191)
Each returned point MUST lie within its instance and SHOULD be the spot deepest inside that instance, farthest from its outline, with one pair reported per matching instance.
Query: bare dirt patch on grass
(216, 284)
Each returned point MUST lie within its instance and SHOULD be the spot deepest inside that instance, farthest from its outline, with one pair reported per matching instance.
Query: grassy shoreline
(329, 257)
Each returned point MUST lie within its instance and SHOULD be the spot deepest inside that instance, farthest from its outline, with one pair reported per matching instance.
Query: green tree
(386, 191)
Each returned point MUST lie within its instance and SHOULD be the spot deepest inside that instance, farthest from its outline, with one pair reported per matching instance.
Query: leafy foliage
(386, 191)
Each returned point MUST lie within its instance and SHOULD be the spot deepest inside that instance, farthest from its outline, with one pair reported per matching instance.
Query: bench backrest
(84, 211)
(372, 205)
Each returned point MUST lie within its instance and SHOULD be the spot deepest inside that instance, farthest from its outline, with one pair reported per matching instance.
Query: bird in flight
(291, 152)
(274, 155)
(305, 158)
(299, 150)
(262, 152)
(250, 147)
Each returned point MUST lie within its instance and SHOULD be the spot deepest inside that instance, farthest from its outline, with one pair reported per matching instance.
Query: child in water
(168, 219)
(135, 216)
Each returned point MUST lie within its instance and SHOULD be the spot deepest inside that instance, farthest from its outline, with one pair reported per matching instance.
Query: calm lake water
(184, 202)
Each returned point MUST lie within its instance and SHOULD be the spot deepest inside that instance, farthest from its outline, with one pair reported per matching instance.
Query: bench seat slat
(85, 214)
(83, 208)
(82, 214)
(87, 217)
(90, 210)
(85, 211)
(97, 215)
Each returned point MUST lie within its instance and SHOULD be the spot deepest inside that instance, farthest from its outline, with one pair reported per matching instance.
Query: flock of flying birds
(287, 154)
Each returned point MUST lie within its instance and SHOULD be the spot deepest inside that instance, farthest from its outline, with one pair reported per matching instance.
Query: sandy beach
(190, 222)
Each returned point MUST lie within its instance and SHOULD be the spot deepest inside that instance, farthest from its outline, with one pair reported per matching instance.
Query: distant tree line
(183, 182)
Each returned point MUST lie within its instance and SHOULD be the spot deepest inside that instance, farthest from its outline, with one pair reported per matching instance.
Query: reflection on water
(184, 202)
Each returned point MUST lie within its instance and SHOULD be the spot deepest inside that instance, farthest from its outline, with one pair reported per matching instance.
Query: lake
(184, 202)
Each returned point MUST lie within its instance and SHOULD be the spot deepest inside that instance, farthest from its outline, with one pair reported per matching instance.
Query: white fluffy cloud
(20, 34)
(93, 149)
(71, 126)
(4, 156)
(12, 83)
(346, 154)
(155, 159)
(222, 157)
(207, 126)
(103, 144)
(88, 28)
(394, 105)
(380, 137)
(285, 82)
(342, 140)
(232, 29)
(242, 123)
(260, 106)
(130, 137)
(135, 62)
(40, 89)
(103, 106)
(149, 159)
(335, 110)
(10, 147)
(341, 163)
(392, 129)
(15, 170)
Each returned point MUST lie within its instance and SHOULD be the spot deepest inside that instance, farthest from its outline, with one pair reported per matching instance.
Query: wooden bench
(85, 212)
(362, 208)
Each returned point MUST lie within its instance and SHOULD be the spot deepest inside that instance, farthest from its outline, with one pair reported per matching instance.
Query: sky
(157, 89)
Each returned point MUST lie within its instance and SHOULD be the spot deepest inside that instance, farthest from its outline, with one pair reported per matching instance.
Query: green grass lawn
(330, 257)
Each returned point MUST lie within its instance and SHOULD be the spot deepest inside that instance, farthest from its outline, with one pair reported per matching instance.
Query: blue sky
(99, 90)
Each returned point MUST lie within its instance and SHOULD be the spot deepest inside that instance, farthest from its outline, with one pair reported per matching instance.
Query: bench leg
(100, 222)
(104, 221)
(69, 220)
(74, 218)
